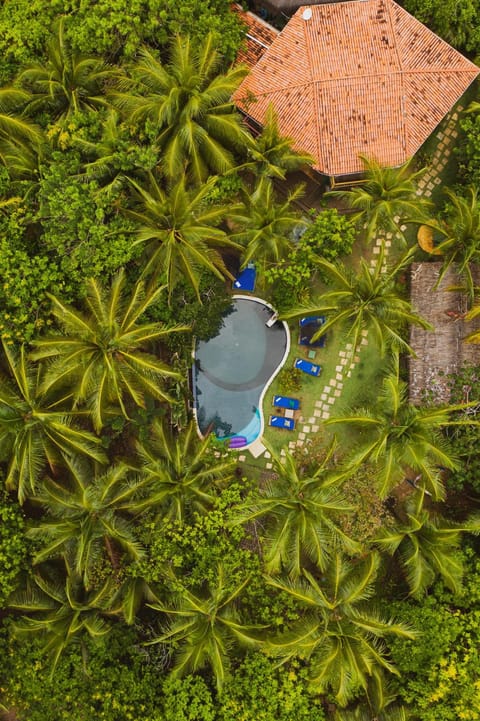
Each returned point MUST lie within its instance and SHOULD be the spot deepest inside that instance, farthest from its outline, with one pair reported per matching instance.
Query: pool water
(233, 370)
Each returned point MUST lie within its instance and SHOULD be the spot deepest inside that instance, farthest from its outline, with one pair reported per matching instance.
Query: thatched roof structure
(353, 78)
(443, 350)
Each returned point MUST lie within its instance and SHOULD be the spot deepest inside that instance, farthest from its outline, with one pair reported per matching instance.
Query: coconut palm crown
(188, 102)
(365, 299)
(102, 356)
(36, 431)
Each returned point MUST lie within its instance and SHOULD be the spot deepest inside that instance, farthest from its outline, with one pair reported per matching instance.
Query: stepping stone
(388, 243)
(440, 136)
(333, 382)
(340, 386)
(268, 466)
(317, 413)
(318, 404)
(306, 429)
(242, 459)
(376, 250)
(324, 398)
(311, 420)
(315, 429)
(349, 374)
(283, 460)
(326, 389)
(292, 445)
(331, 400)
(430, 186)
(364, 341)
(283, 452)
(419, 191)
(325, 415)
(339, 377)
(342, 354)
(339, 369)
(349, 346)
(364, 332)
(438, 180)
(216, 454)
(301, 436)
(257, 448)
(301, 419)
(300, 444)
(343, 362)
(428, 193)
(267, 454)
(337, 393)
(454, 134)
(357, 359)
(403, 228)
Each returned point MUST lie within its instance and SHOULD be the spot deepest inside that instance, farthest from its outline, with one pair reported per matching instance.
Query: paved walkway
(349, 356)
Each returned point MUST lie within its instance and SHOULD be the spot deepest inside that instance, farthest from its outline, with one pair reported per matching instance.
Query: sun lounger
(286, 402)
(246, 279)
(313, 369)
(281, 422)
(308, 327)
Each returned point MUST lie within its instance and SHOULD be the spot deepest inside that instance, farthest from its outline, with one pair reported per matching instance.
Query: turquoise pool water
(233, 370)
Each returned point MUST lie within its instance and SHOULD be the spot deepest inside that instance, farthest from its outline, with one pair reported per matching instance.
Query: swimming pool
(233, 370)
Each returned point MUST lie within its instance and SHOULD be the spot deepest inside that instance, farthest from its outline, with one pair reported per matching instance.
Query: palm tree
(180, 232)
(89, 517)
(67, 82)
(461, 231)
(102, 355)
(398, 436)
(266, 224)
(62, 611)
(302, 509)
(271, 155)
(365, 298)
(182, 471)
(188, 100)
(474, 312)
(20, 139)
(13, 126)
(386, 199)
(341, 634)
(204, 628)
(34, 428)
(427, 546)
(362, 713)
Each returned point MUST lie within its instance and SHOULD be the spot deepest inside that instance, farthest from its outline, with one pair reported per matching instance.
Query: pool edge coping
(268, 383)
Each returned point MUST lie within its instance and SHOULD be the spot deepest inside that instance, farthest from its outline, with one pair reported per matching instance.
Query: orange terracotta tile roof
(259, 35)
(356, 77)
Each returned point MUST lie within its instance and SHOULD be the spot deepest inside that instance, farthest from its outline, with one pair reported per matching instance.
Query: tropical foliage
(386, 200)
(364, 300)
(101, 355)
(146, 572)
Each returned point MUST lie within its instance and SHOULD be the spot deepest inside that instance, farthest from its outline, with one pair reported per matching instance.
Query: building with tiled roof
(357, 77)
(259, 35)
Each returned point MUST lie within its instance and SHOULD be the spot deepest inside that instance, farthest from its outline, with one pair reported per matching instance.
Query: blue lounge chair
(281, 422)
(246, 278)
(313, 369)
(286, 402)
(308, 327)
